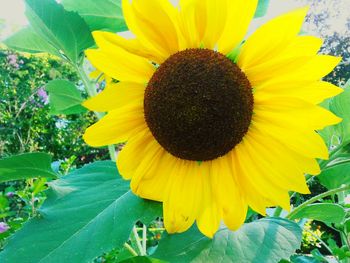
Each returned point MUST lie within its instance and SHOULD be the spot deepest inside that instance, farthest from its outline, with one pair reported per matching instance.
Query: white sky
(13, 13)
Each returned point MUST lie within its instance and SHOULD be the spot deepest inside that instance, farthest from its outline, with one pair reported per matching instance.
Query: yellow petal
(292, 69)
(302, 163)
(313, 92)
(227, 193)
(154, 24)
(278, 161)
(133, 46)
(315, 69)
(181, 207)
(239, 15)
(133, 152)
(121, 65)
(147, 165)
(257, 177)
(116, 95)
(155, 183)
(256, 201)
(210, 215)
(293, 114)
(116, 126)
(189, 11)
(216, 17)
(306, 143)
(271, 38)
(302, 46)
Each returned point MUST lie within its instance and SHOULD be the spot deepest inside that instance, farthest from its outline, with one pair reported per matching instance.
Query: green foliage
(103, 15)
(328, 213)
(340, 105)
(66, 31)
(24, 166)
(26, 124)
(266, 240)
(261, 10)
(335, 176)
(88, 212)
(27, 40)
(64, 97)
(336, 170)
(142, 260)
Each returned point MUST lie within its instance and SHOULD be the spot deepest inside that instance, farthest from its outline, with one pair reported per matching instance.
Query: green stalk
(138, 243)
(322, 242)
(278, 211)
(91, 91)
(316, 198)
(144, 238)
(130, 249)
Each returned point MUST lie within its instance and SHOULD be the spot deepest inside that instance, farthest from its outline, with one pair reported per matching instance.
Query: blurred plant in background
(26, 125)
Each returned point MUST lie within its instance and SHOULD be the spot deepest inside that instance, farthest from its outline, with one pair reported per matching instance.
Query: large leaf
(267, 240)
(103, 15)
(64, 97)
(87, 212)
(340, 105)
(335, 176)
(24, 166)
(140, 259)
(66, 31)
(303, 259)
(328, 213)
(26, 40)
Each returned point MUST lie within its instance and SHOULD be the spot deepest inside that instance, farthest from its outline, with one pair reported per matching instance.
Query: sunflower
(213, 124)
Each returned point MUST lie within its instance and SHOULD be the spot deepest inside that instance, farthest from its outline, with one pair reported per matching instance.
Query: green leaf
(24, 166)
(340, 106)
(64, 30)
(261, 10)
(64, 97)
(266, 240)
(335, 176)
(328, 213)
(103, 15)
(86, 213)
(303, 259)
(140, 259)
(26, 40)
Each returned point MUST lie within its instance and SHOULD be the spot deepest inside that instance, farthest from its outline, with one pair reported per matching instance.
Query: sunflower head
(198, 104)
(205, 135)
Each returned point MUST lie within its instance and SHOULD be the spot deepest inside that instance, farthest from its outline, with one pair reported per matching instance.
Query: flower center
(198, 104)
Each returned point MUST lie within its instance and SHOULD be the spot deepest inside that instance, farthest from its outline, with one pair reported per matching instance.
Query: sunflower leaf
(66, 31)
(340, 106)
(86, 213)
(335, 176)
(327, 213)
(26, 40)
(103, 15)
(24, 166)
(267, 240)
(64, 97)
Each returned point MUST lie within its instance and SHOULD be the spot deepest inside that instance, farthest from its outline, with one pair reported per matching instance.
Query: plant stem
(321, 241)
(130, 249)
(144, 238)
(91, 91)
(137, 239)
(316, 198)
(278, 211)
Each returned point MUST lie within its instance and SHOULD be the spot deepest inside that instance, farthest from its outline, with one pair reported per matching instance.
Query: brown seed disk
(198, 104)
